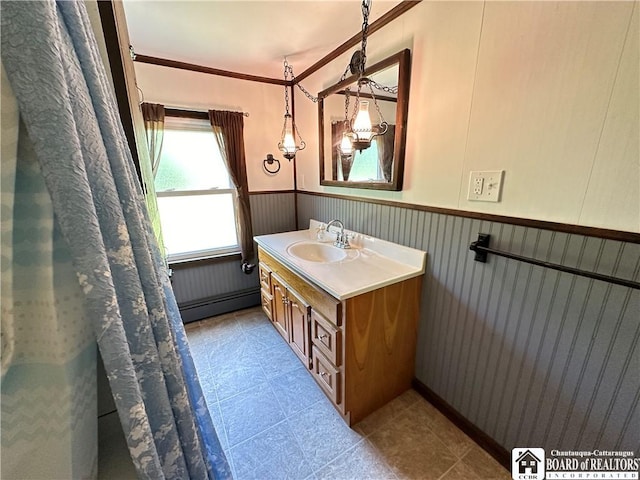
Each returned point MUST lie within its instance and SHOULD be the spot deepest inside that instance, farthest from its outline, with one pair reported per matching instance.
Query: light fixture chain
(288, 70)
(306, 92)
(366, 8)
(347, 93)
(375, 102)
(384, 88)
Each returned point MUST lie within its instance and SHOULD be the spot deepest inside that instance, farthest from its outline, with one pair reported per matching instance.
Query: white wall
(199, 91)
(547, 91)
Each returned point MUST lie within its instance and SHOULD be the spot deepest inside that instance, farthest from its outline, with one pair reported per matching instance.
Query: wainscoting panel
(531, 356)
(217, 282)
(273, 212)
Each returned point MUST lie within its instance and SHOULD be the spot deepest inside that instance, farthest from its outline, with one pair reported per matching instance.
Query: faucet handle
(345, 240)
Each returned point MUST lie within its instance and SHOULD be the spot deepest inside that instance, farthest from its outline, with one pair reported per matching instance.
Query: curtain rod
(481, 247)
(195, 114)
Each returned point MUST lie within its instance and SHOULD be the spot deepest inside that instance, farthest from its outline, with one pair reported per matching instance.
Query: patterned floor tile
(322, 433)
(218, 424)
(296, 390)
(272, 454)
(411, 449)
(279, 359)
(362, 462)
(484, 465)
(275, 423)
(264, 337)
(235, 368)
(251, 318)
(250, 413)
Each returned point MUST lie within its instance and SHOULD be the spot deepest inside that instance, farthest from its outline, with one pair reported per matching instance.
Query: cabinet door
(279, 306)
(326, 337)
(267, 301)
(327, 376)
(265, 277)
(299, 326)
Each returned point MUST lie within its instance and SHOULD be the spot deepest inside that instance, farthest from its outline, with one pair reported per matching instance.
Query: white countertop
(377, 263)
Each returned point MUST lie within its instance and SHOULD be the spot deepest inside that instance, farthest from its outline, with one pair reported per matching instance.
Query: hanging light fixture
(360, 131)
(288, 145)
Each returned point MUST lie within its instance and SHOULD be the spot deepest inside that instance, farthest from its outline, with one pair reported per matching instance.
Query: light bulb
(288, 142)
(346, 148)
(362, 124)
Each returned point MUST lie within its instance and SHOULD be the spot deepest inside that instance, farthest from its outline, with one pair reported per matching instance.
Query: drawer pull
(322, 374)
(323, 336)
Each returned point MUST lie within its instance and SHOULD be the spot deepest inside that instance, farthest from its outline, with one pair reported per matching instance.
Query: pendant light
(288, 145)
(361, 130)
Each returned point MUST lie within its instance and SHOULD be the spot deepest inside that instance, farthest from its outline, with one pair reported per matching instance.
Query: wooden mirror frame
(403, 59)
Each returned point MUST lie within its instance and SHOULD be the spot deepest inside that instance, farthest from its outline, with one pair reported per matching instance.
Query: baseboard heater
(219, 304)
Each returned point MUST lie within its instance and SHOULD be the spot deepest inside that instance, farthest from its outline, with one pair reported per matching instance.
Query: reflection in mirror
(379, 166)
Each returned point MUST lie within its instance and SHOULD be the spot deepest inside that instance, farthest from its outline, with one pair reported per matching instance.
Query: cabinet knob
(323, 336)
(323, 374)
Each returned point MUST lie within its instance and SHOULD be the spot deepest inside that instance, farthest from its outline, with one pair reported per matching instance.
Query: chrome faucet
(342, 240)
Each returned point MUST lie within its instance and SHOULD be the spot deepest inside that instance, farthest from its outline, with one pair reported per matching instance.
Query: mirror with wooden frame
(381, 166)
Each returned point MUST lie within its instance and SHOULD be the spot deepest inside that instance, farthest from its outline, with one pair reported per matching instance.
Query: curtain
(228, 129)
(83, 204)
(385, 151)
(48, 405)
(153, 115)
(336, 137)
(337, 129)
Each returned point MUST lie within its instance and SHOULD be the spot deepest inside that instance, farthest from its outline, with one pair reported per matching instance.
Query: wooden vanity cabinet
(360, 351)
(279, 306)
(266, 295)
(291, 317)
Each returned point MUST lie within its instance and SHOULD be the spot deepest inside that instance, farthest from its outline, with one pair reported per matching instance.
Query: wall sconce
(270, 160)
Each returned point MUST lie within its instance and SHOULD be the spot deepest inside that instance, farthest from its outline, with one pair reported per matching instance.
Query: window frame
(208, 253)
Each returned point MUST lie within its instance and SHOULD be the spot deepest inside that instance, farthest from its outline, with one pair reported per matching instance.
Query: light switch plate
(485, 186)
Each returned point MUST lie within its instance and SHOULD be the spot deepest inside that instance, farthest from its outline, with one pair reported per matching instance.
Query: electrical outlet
(485, 186)
(477, 185)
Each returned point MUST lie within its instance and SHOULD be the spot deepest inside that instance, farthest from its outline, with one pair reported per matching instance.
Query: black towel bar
(481, 248)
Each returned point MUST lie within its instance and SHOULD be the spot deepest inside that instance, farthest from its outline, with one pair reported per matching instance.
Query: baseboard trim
(493, 448)
(220, 304)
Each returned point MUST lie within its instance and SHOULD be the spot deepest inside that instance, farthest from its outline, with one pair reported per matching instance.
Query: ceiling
(251, 37)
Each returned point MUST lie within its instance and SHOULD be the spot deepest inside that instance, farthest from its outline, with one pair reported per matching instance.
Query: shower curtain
(80, 268)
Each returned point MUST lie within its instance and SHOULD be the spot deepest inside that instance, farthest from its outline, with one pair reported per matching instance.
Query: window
(366, 165)
(195, 194)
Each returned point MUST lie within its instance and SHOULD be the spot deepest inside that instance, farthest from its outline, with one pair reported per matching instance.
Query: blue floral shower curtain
(77, 211)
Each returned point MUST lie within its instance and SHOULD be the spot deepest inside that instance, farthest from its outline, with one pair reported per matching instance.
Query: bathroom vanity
(350, 315)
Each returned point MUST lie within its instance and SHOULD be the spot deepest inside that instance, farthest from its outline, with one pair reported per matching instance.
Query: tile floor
(274, 422)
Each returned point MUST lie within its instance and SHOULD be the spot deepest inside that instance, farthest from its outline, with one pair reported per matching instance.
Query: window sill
(207, 259)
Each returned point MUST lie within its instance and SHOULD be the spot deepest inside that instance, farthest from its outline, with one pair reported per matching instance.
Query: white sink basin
(317, 252)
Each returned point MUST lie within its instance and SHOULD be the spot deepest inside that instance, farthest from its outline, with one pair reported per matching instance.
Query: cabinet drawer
(267, 300)
(327, 376)
(265, 277)
(326, 337)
